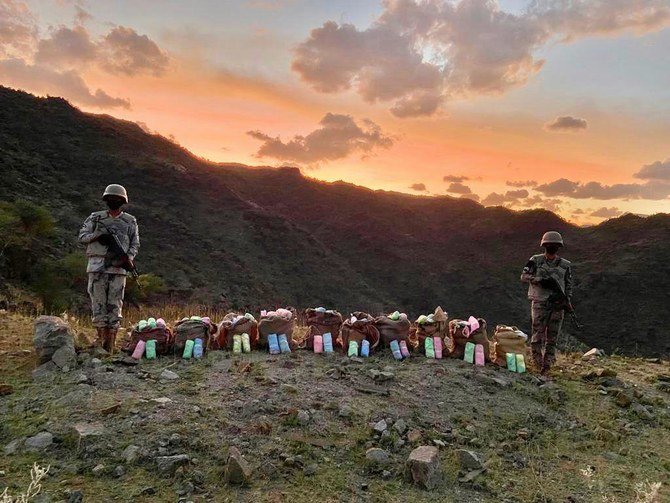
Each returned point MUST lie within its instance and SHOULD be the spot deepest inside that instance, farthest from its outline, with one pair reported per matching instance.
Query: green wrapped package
(150, 351)
(188, 350)
(430, 347)
(469, 352)
(237, 344)
(422, 319)
(142, 325)
(511, 361)
(353, 348)
(520, 364)
(246, 343)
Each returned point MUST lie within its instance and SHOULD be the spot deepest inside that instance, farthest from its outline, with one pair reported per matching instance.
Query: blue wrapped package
(395, 348)
(273, 343)
(198, 349)
(365, 348)
(283, 344)
(327, 342)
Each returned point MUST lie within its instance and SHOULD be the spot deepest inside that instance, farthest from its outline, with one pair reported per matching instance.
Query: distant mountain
(266, 236)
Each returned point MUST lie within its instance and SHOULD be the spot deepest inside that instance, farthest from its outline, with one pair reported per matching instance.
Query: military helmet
(551, 237)
(116, 190)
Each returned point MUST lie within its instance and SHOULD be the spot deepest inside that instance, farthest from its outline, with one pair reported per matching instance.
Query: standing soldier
(549, 281)
(112, 241)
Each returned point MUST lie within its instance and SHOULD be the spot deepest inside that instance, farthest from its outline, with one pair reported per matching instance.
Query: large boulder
(51, 334)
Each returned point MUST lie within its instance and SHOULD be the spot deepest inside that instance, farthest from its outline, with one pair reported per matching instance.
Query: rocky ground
(305, 427)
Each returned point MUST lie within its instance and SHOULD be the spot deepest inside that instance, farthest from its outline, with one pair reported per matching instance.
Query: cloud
(511, 197)
(67, 46)
(473, 197)
(560, 187)
(655, 171)
(459, 188)
(605, 212)
(521, 183)
(131, 53)
(455, 178)
(419, 187)
(416, 54)
(538, 201)
(652, 190)
(566, 123)
(69, 84)
(17, 28)
(517, 194)
(338, 137)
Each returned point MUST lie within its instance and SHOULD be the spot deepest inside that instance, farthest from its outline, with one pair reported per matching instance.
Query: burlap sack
(391, 330)
(438, 328)
(320, 323)
(276, 325)
(362, 329)
(228, 329)
(191, 330)
(457, 340)
(163, 337)
(507, 340)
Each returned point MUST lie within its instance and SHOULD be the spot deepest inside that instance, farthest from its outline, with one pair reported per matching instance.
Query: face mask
(114, 204)
(552, 249)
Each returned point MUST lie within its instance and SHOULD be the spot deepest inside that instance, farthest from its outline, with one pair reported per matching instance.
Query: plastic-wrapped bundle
(280, 321)
(359, 327)
(236, 324)
(320, 321)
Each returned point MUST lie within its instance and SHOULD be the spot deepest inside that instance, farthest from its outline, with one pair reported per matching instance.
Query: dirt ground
(304, 422)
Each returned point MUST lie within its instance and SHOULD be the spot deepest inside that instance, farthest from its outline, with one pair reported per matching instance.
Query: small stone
(386, 474)
(469, 460)
(606, 435)
(400, 426)
(39, 442)
(345, 411)
(167, 465)
(51, 334)
(65, 358)
(81, 379)
(642, 412)
(168, 375)
(310, 470)
(303, 417)
(439, 443)
(98, 469)
(593, 353)
(380, 427)
(44, 371)
(13, 447)
(175, 439)
(377, 457)
(86, 433)
(622, 399)
(75, 497)
(186, 489)
(162, 400)
(238, 470)
(288, 388)
(131, 454)
(414, 436)
(523, 434)
(119, 471)
(423, 467)
(605, 373)
(398, 443)
(6, 389)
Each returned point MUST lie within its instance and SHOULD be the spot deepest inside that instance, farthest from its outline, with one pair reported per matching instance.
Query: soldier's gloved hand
(105, 239)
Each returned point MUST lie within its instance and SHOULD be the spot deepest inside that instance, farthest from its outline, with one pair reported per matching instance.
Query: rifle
(561, 300)
(116, 256)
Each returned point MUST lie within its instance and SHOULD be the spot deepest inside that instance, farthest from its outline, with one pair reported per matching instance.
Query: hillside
(263, 236)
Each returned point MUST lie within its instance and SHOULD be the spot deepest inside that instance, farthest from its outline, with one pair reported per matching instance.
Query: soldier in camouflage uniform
(549, 279)
(107, 270)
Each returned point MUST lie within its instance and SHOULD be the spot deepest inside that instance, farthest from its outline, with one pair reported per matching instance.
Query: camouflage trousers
(547, 323)
(106, 292)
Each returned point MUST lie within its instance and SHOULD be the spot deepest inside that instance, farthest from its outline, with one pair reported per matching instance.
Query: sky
(556, 104)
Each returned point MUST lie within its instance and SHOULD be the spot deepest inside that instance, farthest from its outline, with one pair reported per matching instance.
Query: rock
(288, 388)
(119, 471)
(131, 454)
(65, 358)
(84, 434)
(76, 397)
(345, 411)
(642, 412)
(439, 443)
(310, 470)
(75, 497)
(400, 426)
(380, 427)
(169, 375)
(377, 457)
(386, 475)
(147, 491)
(51, 334)
(605, 373)
(162, 400)
(303, 417)
(414, 436)
(98, 469)
(593, 353)
(469, 460)
(81, 379)
(44, 371)
(606, 435)
(186, 489)
(623, 399)
(423, 467)
(237, 470)
(6, 389)
(167, 465)
(14, 446)
(39, 442)
(501, 381)
(175, 439)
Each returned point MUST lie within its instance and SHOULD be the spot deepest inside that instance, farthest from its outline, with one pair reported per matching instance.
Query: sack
(362, 329)
(507, 340)
(190, 330)
(457, 340)
(235, 324)
(320, 322)
(275, 324)
(393, 330)
(162, 335)
(435, 325)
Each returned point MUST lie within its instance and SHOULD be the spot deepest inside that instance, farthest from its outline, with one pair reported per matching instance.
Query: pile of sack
(509, 348)
(394, 331)
(324, 327)
(359, 336)
(275, 330)
(149, 338)
(192, 336)
(238, 332)
(465, 336)
(431, 332)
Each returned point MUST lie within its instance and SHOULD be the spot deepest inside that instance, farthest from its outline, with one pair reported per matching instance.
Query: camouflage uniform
(547, 315)
(106, 283)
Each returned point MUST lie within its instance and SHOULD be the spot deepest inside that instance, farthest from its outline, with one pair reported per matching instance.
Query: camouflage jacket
(101, 222)
(538, 269)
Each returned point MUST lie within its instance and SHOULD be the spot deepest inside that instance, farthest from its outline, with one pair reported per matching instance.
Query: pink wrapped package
(403, 349)
(473, 323)
(318, 344)
(479, 355)
(139, 350)
(437, 345)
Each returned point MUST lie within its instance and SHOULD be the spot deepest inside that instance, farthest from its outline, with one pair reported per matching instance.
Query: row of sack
(377, 332)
